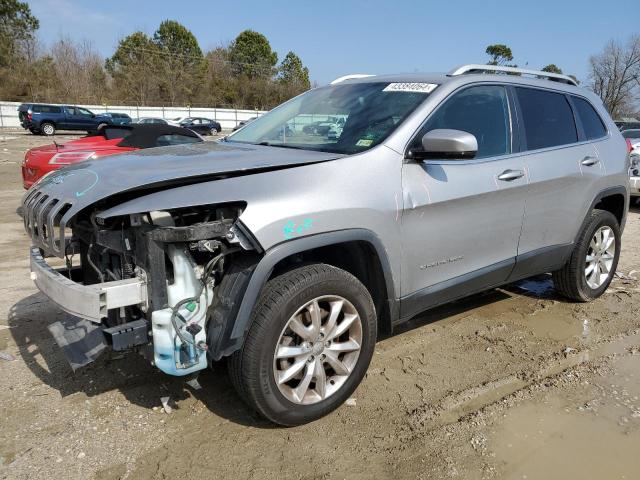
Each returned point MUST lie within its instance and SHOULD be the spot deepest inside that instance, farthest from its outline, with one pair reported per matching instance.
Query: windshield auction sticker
(411, 87)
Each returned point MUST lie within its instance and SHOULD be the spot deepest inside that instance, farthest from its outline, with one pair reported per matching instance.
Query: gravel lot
(514, 383)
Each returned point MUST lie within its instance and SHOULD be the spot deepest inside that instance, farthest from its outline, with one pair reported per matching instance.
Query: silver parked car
(289, 252)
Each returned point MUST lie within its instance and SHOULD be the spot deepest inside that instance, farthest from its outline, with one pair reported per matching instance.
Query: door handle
(590, 161)
(509, 175)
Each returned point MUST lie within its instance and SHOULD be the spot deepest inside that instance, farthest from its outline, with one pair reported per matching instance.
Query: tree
(500, 55)
(552, 68)
(79, 72)
(17, 25)
(293, 73)
(615, 75)
(251, 55)
(133, 67)
(181, 61)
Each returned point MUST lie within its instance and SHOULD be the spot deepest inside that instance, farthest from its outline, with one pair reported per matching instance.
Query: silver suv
(288, 250)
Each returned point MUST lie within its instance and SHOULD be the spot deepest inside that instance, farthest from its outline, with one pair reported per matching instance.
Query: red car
(109, 140)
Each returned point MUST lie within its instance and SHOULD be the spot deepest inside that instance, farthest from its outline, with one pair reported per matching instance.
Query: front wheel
(594, 259)
(213, 131)
(310, 343)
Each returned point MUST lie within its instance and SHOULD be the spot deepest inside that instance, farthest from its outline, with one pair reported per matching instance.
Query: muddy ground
(514, 383)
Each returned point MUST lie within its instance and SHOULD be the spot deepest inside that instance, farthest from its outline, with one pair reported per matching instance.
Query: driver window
(482, 111)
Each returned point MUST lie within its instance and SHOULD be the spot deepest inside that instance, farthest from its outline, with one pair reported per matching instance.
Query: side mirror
(446, 143)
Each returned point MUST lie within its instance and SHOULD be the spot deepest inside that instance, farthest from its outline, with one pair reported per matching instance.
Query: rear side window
(548, 118)
(591, 121)
(46, 109)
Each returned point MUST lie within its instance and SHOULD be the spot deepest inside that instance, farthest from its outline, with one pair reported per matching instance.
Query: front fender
(274, 255)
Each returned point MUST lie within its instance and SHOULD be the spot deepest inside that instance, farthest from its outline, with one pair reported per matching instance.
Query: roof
(442, 78)
(142, 136)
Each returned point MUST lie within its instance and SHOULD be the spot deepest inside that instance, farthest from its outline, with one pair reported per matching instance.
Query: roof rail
(476, 68)
(349, 77)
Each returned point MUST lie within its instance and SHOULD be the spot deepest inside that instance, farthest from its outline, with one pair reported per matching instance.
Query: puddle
(551, 440)
(595, 435)
(541, 286)
(625, 350)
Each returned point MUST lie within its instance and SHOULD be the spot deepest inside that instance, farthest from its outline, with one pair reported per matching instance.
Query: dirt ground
(516, 383)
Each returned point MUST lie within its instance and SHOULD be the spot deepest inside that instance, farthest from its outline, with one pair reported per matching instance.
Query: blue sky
(334, 38)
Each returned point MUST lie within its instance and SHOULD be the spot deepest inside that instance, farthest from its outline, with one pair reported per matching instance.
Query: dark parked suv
(46, 119)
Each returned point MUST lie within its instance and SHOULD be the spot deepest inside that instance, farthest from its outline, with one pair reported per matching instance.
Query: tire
(288, 299)
(572, 281)
(213, 131)
(47, 128)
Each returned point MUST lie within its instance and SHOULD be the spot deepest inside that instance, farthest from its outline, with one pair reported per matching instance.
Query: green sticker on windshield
(364, 142)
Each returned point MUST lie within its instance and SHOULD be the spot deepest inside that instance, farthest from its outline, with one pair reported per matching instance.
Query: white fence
(227, 117)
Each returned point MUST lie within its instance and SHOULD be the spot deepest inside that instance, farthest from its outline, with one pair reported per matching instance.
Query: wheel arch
(358, 251)
(614, 200)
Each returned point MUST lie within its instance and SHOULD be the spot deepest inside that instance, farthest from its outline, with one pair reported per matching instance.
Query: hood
(85, 183)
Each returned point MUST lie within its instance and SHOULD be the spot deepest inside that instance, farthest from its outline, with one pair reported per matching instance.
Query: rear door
(563, 168)
(462, 218)
(198, 125)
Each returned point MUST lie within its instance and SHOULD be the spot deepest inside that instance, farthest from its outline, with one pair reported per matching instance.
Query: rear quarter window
(46, 109)
(547, 117)
(591, 122)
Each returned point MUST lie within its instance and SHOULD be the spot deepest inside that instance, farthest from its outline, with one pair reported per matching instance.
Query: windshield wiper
(281, 145)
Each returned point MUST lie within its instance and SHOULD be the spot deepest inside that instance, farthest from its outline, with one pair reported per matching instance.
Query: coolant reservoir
(170, 355)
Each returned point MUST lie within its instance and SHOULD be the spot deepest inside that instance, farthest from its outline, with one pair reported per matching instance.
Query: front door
(462, 218)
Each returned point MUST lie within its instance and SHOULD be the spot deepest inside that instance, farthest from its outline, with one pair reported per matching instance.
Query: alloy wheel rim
(48, 129)
(600, 256)
(317, 350)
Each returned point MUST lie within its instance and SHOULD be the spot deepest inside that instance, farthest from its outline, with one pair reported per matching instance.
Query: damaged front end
(141, 282)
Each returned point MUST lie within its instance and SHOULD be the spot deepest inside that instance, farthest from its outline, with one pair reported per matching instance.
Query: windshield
(343, 119)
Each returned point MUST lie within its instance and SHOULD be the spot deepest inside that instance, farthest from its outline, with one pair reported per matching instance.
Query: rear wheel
(593, 261)
(213, 131)
(310, 343)
(47, 128)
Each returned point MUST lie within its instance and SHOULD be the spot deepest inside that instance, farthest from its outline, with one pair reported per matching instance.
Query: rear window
(175, 139)
(547, 117)
(591, 121)
(46, 109)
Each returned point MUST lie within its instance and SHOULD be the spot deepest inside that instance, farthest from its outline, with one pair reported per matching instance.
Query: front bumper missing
(90, 302)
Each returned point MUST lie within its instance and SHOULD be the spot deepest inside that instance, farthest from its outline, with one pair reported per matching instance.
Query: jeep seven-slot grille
(45, 223)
